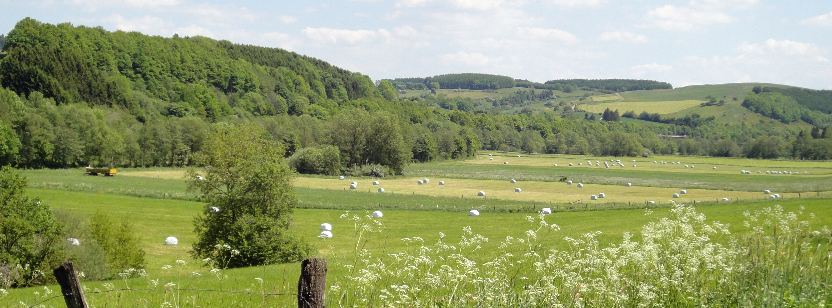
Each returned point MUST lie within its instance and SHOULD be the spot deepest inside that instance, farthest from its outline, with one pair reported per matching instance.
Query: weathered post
(312, 283)
(70, 286)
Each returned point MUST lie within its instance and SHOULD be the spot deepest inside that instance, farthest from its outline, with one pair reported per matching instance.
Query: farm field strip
(660, 107)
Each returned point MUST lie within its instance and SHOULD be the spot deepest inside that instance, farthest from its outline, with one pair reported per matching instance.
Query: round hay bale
(601, 195)
(569, 182)
(375, 182)
(629, 184)
(341, 177)
(426, 180)
(73, 241)
(513, 181)
(489, 154)
(767, 192)
(686, 166)
(725, 199)
(491, 158)
(481, 193)
(326, 227)
(353, 186)
(378, 214)
(692, 166)
(325, 234)
(651, 202)
(758, 171)
(678, 163)
(170, 240)
(518, 155)
(441, 182)
(773, 196)
(580, 164)
(684, 191)
(214, 209)
(419, 182)
(546, 211)
(778, 195)
(655, 162)
(473, 213)
(354, 182)
(505, 163)
(199, 177)
(714, 167)
(570, 164)
(767, 172)
(381, 189)
(634, 166)
(580, 185)
(556, 165)
(675, 195)
(517, 190)
(593, 197)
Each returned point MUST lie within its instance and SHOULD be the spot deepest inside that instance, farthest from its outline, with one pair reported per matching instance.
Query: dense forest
(612, 85)
(455, 81)
(811, 99)
(784, 108)
(76, 96)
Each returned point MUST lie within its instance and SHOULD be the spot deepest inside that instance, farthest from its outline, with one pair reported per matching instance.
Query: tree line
(469, 81)
(612, 85)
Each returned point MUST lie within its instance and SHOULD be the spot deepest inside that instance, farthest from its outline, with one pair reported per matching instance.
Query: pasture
(661, 107)
(157, 203)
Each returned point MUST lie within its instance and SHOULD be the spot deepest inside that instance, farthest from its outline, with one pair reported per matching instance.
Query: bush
(88, 258)
(322, 160)
(118, 242)
(29, 234)
(373, 170)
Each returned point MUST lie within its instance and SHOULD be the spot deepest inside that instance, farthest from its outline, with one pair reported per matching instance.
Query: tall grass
(680, 261)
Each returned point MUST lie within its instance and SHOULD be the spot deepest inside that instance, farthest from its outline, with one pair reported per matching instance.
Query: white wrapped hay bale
(426, 180)
(714, 167)
(570, 164)
(378, 214)
(580, 164)
(473, 213)
(651, 202)
(441, 182)
(758, 171)
(678, 163)
(773, 196)
(517, 190)
(546, 211)
(629, 184)
(556, 165)
(518, 155)
(634, 166)
(481, 193)
(199, 177)
(354, 182)
(725, 199)
(214, 209)
(692, 166)
(419, 182)
(686, 166)
(513, 181)
(684, 191)
(593, 197)
(491, 158)
(505, 163)
(580, 185)
(655, 162)
(326, 227)
(569, 182)
(767, 192)
(73, 241)
(489, 154)
(170, 240)
(675, 195)
(778, 195)
(353, 186)
(375, 182)
(341, 177)
(325, 234)
(601, 195)
(381, 189)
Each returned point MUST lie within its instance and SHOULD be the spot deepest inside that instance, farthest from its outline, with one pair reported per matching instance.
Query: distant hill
(612, 85)
(468, 81)
(818, 100)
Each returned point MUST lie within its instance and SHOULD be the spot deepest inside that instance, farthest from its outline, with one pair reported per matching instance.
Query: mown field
(660, 107)
(156, 201)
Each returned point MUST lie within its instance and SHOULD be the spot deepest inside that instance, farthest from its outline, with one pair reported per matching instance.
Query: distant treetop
(469, 81)
(615, 85)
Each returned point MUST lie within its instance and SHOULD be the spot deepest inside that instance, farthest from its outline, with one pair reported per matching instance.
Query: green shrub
(321, 160)
(88, 257)
(373, 170)
(118, 241)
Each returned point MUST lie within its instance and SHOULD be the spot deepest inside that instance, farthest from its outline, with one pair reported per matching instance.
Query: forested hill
(455, 81)
(152, 76)
(613, 85)
(818, 100)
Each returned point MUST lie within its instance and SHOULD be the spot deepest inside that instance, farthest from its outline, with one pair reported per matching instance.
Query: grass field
(661, 107)
(162, 218)
(155, 200)
(698, 92)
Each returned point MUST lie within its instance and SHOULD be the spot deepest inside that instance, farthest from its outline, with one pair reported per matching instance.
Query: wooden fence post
(70, 286)
(312, 283)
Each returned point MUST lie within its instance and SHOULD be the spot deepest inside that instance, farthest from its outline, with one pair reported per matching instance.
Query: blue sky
(681, 42)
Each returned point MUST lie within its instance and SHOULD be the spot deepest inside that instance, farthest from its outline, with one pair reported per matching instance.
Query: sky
(681, 42)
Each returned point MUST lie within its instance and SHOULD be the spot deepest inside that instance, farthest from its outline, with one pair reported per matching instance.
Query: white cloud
(623, 36)
(286, 19)
(654, 67)
(145, 24)
(822, 59)
(412, 3)
(671, 17)
(334, 36)
(462, 4)
(94, 5)
(780, 47)
(824, 20)
(541, 33)
(471, 59)
(722, 4)
(578, 3)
